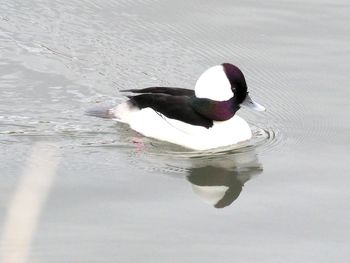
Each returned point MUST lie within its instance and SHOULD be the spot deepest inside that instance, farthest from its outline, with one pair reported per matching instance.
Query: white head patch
(213, 84)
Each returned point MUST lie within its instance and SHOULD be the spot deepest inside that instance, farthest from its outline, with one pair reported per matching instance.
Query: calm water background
(110, 199)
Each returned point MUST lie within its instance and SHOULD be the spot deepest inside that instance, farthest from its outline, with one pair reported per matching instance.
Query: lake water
(80, 189)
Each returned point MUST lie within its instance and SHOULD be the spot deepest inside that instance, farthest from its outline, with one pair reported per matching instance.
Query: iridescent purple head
(237, 82)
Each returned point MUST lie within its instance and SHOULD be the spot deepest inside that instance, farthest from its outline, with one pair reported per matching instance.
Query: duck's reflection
(219, 181)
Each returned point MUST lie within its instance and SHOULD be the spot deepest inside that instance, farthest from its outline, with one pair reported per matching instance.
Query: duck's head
(225, 82)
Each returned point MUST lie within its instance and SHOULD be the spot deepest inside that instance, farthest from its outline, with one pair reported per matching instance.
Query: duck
(201, 119)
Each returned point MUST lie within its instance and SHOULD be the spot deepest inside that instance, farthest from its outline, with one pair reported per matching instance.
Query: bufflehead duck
(199, 119)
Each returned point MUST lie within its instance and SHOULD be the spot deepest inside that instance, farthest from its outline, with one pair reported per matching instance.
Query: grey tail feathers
(101, 112)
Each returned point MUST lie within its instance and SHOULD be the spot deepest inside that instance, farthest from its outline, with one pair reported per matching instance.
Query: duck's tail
(121, 112)
(101, 112)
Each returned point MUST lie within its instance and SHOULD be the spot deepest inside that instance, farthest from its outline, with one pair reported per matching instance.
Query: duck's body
(199, 119)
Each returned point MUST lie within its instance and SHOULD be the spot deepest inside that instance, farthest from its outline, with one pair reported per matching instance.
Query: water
(110, 195)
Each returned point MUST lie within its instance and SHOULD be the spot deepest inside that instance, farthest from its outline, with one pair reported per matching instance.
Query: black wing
(174, 107)
(163, 90)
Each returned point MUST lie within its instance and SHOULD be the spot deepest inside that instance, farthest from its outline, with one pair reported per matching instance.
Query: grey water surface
(74, 188)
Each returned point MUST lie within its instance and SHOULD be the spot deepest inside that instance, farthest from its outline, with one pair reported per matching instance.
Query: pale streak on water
(283, 197)
(23, 212)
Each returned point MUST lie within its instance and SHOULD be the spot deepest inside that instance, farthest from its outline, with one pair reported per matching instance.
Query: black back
(174, 107)
(164, 90)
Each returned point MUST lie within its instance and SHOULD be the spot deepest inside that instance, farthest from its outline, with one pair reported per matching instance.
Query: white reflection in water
(220, 181)
(27, 202)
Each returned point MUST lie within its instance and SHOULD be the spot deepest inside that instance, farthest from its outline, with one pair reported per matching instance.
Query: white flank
(154, 125)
